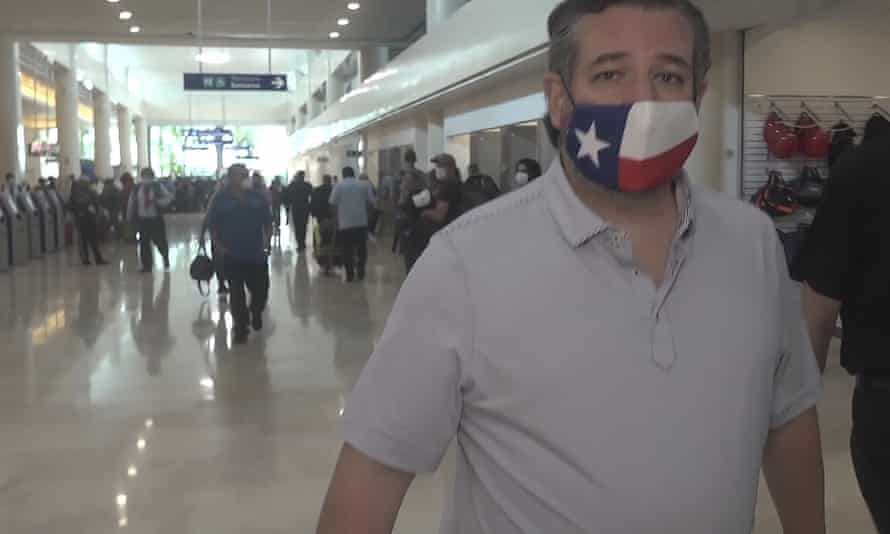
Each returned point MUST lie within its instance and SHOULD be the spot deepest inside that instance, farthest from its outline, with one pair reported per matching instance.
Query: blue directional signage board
(234, 82)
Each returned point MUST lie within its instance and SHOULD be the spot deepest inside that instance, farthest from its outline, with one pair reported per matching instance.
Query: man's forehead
(635, 30)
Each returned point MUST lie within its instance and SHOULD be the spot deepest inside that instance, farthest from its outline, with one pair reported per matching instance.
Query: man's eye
(670, 78)
(608, 76)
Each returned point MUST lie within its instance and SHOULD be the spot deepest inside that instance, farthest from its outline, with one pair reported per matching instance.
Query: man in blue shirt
(240, 223)
(353, 198)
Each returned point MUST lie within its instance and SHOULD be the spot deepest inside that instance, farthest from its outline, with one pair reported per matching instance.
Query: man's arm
(795, 474)
(821, 315)
(364, 497)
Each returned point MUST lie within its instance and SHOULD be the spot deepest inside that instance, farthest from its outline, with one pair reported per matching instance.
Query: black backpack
(202, 271)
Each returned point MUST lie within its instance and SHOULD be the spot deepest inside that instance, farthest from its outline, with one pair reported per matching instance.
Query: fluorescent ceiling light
(113, 1)
(125, 15)
(135, 29)
(88, 85)
(343, 22)
(334, 35)
(213, 57)
(352, 6)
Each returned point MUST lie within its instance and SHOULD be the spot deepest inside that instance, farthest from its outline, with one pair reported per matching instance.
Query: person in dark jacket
(84, 205)
(479, 188)
(323, 213)
(111, 202)
(432, 209)
(299, 198)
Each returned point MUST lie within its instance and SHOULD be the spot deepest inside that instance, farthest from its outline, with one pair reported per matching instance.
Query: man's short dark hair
(564, 48)
(348, 172)
(410, 156)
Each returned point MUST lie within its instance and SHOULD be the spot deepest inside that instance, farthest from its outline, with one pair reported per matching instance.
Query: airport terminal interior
(127, 403)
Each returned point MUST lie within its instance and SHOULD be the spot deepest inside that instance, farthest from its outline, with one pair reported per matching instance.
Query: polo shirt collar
(579, 224)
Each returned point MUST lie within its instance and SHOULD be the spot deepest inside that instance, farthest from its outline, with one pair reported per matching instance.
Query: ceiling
(294, 23)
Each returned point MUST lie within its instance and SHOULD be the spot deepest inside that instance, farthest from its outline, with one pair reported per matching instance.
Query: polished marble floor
(124, 406)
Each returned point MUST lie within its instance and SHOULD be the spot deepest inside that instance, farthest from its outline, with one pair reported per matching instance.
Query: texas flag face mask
(635, 147)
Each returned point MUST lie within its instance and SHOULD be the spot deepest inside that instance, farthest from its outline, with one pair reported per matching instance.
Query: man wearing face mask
(240, 224)
(616, 351)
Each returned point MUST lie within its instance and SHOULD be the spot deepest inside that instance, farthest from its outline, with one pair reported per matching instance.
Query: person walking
(323, 213)
(222, 290)
(240, 224)
(352, 200)
(84, 205)
(845, 268)
(299, 199)
(615, 349)
(146, 205)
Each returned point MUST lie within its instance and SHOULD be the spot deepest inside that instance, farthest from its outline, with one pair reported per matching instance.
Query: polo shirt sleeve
(824, 261)
(797, 385)
(407, 405)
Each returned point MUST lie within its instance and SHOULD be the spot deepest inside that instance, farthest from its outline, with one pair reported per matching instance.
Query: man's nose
(642, 89)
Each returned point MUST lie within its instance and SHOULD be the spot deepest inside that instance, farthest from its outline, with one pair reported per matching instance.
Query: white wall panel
(518, 99)
(841, 53)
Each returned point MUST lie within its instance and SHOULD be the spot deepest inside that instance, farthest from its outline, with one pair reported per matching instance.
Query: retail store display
(808, 188)
(776, 197)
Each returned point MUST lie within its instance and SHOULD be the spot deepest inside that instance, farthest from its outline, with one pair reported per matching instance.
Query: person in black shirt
(323, 213)
(429, 210)
(479, 188)
(299, 200)
(845, 268)
(84, 206)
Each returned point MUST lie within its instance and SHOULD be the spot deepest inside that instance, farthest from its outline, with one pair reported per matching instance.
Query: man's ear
(702, 92)
(558, 103)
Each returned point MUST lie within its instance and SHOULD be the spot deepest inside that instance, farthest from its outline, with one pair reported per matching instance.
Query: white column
(435, 133)
(102, 124)
(124, 133)
(438, 11)
(731, 72)
(141, 142)
(68, 122)
(11, 127)
(334, 89)
(371, 60)
(716, 159)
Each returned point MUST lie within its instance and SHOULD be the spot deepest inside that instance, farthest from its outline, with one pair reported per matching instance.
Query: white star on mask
(591, 145)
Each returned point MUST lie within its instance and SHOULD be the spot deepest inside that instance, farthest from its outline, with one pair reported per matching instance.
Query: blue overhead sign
(234, 82)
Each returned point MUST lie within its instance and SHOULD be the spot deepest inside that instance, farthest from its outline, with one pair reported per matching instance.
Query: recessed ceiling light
(125, 15)
(343, 22)
(352, 6)
(135, 29)
(334, 35)
(113, 1)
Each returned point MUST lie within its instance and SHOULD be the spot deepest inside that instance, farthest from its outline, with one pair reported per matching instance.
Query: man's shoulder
(727, 217)
(502, 221)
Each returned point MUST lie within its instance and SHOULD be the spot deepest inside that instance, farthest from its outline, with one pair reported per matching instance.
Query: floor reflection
(151, 325)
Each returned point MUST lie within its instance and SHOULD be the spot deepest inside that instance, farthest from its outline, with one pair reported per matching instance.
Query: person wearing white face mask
(615, 349)
(146, 208)
(527, 170)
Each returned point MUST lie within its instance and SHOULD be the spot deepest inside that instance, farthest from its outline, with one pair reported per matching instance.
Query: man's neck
(628, 212)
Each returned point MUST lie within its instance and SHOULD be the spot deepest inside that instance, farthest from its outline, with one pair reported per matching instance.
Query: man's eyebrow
(609, 57)
(676, 60)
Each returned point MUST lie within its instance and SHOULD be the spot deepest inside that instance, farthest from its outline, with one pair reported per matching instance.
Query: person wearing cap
(429, 210)
(615, 349)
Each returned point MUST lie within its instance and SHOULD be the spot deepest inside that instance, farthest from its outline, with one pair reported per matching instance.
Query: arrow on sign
(278, 83)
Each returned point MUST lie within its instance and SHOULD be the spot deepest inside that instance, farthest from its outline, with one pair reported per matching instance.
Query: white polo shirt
(583, 398)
